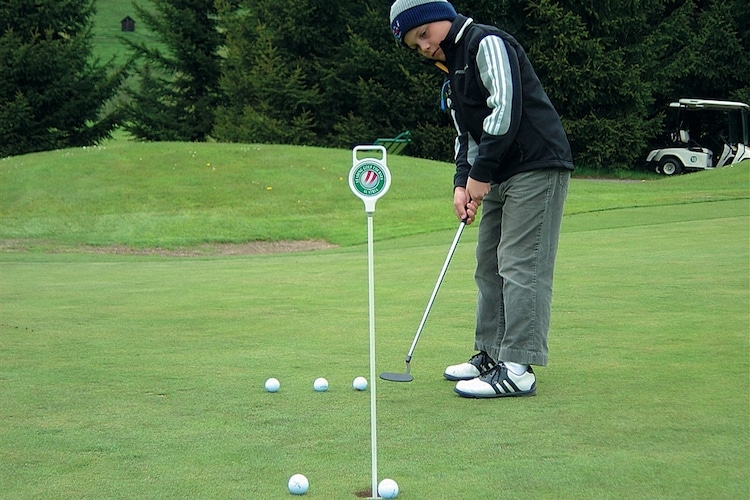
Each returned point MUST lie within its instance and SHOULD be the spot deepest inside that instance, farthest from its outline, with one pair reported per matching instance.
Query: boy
(512, 157)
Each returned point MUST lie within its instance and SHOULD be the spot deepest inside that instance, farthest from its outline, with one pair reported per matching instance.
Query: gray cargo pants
(516, 249)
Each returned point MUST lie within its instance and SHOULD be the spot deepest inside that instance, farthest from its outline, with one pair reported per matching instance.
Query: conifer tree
(720, 36)
(322, 73)
(52, 92)
(269, 93)
(178, 91)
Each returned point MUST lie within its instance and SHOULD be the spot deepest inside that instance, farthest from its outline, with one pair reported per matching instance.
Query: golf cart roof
(697, 104)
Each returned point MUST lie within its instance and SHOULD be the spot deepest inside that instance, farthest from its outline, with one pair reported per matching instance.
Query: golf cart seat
(691, 144)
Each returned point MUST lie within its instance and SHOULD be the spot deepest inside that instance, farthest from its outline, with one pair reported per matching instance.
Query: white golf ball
(388, 488)
(320, 384)
(360, 383)
(298, 484)
(272, 385)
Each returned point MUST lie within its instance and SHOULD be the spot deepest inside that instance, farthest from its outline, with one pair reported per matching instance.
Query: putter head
(399, 377)
(396, 377)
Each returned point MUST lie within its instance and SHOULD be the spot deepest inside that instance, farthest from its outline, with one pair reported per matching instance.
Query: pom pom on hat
(409, 14)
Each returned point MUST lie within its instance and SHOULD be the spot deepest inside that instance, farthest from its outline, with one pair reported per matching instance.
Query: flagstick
(373, 378)
(369, 179)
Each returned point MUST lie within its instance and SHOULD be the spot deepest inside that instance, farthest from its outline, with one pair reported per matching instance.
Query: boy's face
(426, 39)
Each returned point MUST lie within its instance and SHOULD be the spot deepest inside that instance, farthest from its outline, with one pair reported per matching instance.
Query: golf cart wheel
(670, 166)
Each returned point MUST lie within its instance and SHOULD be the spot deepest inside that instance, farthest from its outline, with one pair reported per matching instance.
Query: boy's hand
(465, 210)
(477, 190)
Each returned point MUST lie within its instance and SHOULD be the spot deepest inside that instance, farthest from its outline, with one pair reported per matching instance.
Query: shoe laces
(483, 362)
(494, 374)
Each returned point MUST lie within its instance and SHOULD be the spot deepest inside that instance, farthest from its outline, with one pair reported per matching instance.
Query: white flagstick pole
(373, 399)
(369, 179)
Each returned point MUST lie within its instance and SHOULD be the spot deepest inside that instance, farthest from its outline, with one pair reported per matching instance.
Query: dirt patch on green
(206, 249)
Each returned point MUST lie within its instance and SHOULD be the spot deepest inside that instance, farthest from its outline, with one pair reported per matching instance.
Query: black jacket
(506, 123)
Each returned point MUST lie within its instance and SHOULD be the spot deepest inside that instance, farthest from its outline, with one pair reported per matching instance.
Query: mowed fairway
(141, 376)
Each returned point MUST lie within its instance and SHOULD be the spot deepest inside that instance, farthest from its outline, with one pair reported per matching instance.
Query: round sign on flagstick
(369, 178)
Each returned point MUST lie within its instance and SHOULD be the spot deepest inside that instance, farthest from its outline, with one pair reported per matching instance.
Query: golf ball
(360, 383)
(298, 484)
(320, 384)
(272, 385)
(388, 488)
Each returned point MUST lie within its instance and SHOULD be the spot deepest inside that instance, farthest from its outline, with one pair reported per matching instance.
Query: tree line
(322, 73)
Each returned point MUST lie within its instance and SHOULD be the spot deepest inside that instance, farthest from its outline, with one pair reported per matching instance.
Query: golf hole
(364, 493)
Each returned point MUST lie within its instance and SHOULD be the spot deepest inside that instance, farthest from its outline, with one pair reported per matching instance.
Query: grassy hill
(107, 34)
(184, 194)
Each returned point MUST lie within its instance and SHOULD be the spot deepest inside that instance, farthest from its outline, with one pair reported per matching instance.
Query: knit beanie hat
(409, 14)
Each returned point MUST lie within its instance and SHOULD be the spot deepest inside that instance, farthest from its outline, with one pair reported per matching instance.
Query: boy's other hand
(477, 190)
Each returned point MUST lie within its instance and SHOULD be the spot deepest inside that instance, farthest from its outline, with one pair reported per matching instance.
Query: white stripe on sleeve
(494, 69)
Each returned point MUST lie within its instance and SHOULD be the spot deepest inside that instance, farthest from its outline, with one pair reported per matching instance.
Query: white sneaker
(477, 365)
(498, 382)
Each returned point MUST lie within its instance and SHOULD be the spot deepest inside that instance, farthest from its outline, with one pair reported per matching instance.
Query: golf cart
(702, 127)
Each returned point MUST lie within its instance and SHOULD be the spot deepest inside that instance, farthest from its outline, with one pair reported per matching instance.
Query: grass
(142, 376)
(107, 39)
(182, 194)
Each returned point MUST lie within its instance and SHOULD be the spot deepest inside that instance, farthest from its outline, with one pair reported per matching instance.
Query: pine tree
(179, 81)
(375, 88)
(720, 37)
(272, 75)
(269, 95)
(322, 73)
(52, 92)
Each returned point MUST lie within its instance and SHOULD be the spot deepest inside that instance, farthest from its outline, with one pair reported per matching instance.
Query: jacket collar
(456, 33)
(467, 22)
(454, 36)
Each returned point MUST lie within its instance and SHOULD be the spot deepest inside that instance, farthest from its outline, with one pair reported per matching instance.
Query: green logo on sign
(369, 179)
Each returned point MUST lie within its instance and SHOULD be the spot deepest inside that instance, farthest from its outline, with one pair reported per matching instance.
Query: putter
(407, 377)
